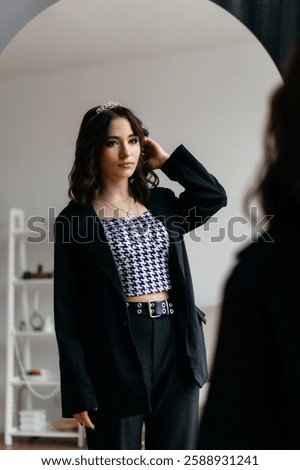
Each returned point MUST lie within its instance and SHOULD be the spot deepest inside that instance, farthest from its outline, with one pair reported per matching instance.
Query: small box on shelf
(32, 420)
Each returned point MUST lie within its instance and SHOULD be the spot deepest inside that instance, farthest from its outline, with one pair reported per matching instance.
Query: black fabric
(253, 400)
(276, 23)
(173, 420)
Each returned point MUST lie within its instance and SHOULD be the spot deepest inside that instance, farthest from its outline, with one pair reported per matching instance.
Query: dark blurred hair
(278, 187)
(85, 176)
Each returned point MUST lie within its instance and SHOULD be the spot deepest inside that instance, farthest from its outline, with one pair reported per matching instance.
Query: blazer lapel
(99, 249)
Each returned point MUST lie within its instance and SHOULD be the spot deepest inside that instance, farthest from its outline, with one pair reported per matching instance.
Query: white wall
(212, 100)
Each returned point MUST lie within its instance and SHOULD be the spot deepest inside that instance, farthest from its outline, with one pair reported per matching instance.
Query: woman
(253, 402)
(130, 337)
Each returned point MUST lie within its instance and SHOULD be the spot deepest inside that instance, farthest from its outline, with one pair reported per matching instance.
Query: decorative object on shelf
(36, 321)
(22, 325)
(34, 372)
(66, 425)
(39, 274)
(37, 374)
(48, 325)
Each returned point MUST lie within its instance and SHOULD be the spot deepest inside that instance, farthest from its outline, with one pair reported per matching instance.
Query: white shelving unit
(24, 391)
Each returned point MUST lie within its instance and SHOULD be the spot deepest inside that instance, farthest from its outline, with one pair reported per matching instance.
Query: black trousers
(173, 420)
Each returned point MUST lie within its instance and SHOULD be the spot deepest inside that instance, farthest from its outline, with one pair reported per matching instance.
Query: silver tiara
(109, 105)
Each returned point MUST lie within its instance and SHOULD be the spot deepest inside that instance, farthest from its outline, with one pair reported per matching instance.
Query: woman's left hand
(84, 419)
(153, 154)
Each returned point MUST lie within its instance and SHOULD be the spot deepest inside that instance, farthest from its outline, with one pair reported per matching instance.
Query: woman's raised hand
(153, 154)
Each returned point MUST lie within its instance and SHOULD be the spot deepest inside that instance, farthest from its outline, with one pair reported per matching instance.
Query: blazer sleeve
(203, 195)
(69, 295)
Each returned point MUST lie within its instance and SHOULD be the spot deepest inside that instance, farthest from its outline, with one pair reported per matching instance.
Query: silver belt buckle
(151, 309)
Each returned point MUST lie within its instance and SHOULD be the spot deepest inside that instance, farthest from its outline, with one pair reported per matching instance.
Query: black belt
(152, 309)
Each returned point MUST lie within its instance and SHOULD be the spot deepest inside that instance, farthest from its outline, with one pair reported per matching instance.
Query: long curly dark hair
(85, 175)
(278, 187)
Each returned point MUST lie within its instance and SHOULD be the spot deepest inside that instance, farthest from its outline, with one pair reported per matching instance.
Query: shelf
(25, 234)
(47, 431)
(21, 233)
(23, 346)
(32, 333)
(32, 282)
(40, 382)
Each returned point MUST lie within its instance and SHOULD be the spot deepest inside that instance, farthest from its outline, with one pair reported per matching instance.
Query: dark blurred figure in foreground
(254, 396)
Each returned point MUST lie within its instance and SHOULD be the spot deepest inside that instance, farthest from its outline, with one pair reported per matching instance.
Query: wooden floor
(25, 443)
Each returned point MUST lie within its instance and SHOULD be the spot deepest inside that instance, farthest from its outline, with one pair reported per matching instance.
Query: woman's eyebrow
(118, 138)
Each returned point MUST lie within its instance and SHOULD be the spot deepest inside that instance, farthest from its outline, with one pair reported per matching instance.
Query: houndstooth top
(140, 248)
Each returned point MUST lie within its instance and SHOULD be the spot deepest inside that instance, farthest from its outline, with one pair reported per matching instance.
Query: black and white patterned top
(140, 248)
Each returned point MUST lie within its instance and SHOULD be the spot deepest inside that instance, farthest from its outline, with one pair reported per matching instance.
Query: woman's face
(121, 152)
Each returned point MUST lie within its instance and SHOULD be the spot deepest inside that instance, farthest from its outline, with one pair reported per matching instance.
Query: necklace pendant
(129, 214)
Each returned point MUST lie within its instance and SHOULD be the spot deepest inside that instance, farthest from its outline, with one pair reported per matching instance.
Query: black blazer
(98, 359)
(253, 400)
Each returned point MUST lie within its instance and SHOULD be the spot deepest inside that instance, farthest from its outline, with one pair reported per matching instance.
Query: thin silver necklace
(127, 212)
